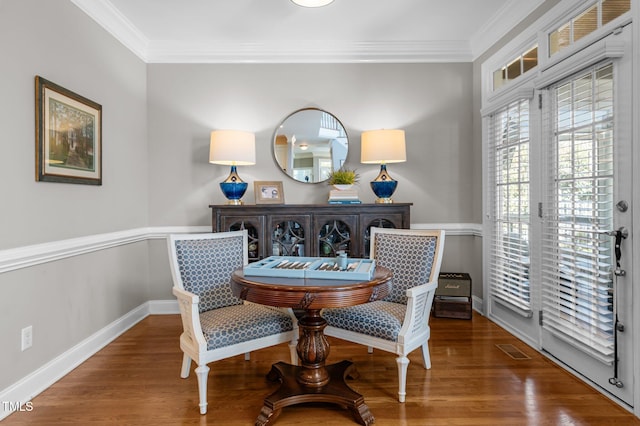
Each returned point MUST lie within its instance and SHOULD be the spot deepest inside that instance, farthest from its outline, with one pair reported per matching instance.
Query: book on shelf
(347, 194)
(333, 201)
(344, 199)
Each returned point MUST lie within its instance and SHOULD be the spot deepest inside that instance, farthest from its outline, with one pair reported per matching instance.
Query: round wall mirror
(309, 144)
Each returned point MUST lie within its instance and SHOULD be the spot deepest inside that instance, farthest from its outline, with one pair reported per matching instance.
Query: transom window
(601, 13)
(515, 68)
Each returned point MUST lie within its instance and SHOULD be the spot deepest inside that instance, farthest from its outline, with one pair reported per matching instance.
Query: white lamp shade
(232, 148)
(312, 3)
(383, 146)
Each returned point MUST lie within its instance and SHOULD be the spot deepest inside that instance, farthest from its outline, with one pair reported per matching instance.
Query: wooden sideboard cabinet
(309, 229)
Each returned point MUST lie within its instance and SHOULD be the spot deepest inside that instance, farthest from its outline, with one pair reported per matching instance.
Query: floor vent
(513, 352)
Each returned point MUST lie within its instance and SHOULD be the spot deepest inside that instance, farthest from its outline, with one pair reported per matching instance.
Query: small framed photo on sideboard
(268, 192)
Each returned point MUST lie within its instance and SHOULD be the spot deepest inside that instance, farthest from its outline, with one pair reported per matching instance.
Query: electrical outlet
(27, 337)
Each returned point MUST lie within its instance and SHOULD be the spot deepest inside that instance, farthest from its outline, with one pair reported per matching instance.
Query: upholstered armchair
(216, 324)
(400, 322)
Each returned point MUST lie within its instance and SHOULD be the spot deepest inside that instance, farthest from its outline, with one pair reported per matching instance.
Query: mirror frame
(277, 133)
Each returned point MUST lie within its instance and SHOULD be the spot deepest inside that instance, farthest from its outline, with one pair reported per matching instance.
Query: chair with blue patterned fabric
(400, 322)
(216, 324)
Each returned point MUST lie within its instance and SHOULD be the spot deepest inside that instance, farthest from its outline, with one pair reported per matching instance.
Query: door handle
(620, 234)
(624, 232)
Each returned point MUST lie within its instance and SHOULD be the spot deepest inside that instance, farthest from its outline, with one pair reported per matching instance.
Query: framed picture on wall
(268, 192)
(68, 136)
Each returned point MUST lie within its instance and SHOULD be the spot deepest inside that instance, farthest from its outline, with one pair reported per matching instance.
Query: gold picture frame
(68, 136)
(268, 192)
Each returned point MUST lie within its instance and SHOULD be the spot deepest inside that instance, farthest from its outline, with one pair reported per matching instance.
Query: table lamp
(233, 148)
(382, 147)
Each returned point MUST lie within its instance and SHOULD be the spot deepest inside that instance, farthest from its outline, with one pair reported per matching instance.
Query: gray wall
(431, 102)
(57, 41)
(68, 300)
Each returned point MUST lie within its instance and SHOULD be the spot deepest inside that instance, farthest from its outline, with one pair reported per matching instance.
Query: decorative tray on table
(311, 267)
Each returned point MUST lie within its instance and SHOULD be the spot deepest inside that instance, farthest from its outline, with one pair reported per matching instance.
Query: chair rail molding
(28, 256)
(453, 229)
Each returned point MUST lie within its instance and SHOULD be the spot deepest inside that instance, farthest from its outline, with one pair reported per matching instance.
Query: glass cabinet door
(289, 236)
(254, 227)
(336, 233)
(378, 222)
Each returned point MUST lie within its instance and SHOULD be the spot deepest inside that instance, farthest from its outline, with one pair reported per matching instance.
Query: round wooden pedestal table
(312, 381)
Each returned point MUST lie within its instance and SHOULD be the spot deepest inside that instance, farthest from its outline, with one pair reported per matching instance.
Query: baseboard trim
(33, 384)
(163, 307)
(477, 304)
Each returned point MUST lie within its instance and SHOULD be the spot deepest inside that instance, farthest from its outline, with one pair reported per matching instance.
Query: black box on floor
(453, 296)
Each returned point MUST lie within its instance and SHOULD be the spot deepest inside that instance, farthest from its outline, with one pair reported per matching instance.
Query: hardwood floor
(135, 381)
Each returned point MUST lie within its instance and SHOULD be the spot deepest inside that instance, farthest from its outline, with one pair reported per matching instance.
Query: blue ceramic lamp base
(384, 186)
(233, 187)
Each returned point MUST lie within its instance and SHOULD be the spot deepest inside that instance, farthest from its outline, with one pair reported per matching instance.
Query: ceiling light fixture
(312, 3)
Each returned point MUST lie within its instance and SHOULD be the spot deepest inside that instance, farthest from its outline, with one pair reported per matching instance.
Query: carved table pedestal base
(335, 391)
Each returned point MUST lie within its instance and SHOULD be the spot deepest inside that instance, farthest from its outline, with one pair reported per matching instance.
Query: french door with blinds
(585, 295)
(559, 271)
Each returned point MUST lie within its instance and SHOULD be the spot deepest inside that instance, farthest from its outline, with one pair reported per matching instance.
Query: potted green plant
(343, 178)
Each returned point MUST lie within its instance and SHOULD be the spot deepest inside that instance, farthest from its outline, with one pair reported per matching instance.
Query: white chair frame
(192, 341)
(415, 331)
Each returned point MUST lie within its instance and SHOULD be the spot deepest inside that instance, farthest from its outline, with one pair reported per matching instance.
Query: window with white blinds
(508, 172)
(577, 291)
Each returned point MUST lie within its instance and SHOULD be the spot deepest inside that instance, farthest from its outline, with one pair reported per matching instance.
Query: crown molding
(116, 24)
(503, 21)
(297, 51)
(293, 51)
